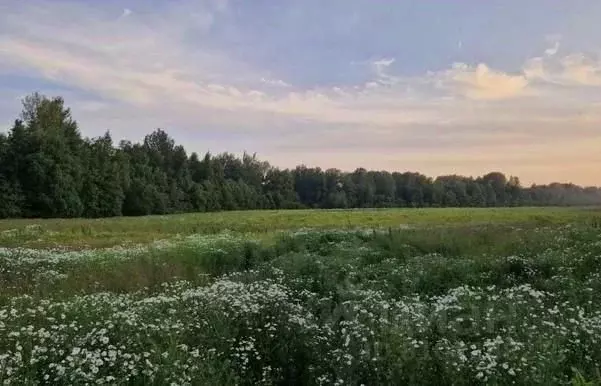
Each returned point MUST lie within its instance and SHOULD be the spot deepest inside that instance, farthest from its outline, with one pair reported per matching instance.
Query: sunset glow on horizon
(448, 88)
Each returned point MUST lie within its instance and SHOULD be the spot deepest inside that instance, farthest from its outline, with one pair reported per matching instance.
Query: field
(90, 233)
(407, 296)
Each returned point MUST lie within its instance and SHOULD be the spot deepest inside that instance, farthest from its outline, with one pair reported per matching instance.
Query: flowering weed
(311, 307)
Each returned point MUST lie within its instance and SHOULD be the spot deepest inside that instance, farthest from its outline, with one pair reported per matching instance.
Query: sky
(462, 87)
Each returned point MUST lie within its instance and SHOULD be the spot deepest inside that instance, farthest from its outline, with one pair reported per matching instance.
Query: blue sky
(438, 87)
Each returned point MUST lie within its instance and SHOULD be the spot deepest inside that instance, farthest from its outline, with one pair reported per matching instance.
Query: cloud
(275, 82)
(581, 70)
(381, 64)
(166, 68)
(482, 82)
(552, 50)
(574, 69)
(126, 12)
(380, 68)
(146, 66)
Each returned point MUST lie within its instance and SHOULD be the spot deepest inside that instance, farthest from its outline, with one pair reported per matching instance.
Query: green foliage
(48, 170)
(10, 193)
(463, 305)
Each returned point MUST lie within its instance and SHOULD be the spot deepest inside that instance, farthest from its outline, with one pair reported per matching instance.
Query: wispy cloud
(163, 67)
(552, 50)
(126, 12)
(275, 82)
(575, 69)
(381, 64)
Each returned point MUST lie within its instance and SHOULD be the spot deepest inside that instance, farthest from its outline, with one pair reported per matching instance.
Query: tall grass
(487, 304)
(86, 233)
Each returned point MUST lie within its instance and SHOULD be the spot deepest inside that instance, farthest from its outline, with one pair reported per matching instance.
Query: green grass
(427, 296)
(193, 257)
(86, 233)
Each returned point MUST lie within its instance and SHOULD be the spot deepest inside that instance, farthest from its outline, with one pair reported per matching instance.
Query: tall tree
(46, 157)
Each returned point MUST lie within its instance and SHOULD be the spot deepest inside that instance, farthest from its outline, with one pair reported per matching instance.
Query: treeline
(47, 169)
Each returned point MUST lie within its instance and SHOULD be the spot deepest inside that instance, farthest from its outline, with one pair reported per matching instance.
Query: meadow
(403, 296)
(107, 232)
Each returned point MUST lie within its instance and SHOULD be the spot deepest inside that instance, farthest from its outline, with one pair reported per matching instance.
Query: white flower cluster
(259, 328)
(24, 267)
(343, 310)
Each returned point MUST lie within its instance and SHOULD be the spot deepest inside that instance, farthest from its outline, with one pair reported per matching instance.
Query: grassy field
(425, 296)
(85, 233)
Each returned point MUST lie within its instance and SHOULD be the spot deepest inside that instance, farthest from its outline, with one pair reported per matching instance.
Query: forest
(49, 170)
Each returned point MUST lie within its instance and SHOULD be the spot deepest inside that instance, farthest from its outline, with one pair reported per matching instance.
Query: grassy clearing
(100, 233)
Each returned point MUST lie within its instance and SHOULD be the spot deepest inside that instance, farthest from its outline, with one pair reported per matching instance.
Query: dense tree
(102, 192)
(310, 184)
(45, 157)
(10, 193)
(365, 188)
(278, 188)
(48, 170)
